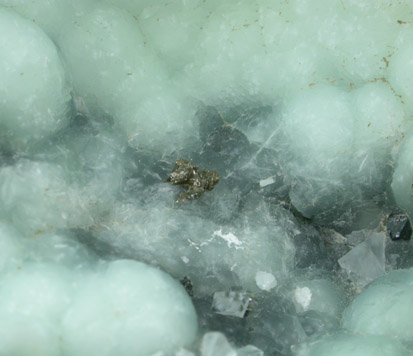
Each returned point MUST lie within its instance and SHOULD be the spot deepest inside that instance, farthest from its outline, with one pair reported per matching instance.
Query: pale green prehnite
(380, 119)
(129, 308)
(353, 36)
(164, 21)
(403, 177)
(59, 248)
(401, 72)
(318, 128)
(339, 142)
(322, 131)
(34, 93)
(48, 248)
(70, 187)
(346, 344)
(385, 307)
(33, 298)
(48, 14)
(69, 304)
(115, 69)
(37, 197)
(264, 50)
(38, 291)
(10, 247)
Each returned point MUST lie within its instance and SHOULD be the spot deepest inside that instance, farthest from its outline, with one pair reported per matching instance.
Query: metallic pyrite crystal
(185, 173)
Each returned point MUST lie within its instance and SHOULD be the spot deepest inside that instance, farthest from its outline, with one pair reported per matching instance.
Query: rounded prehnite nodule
(384, 307)
(34, 94)
(129, 308)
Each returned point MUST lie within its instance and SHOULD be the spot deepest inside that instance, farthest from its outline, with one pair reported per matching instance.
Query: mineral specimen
(302, 107)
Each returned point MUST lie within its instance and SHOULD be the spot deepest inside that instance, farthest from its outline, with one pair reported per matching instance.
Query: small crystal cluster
(187, 174)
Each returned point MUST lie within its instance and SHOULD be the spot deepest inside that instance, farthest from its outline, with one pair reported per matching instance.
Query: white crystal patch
(230, 238)
(266, 181)
(265, 281)
(303, 297)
